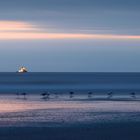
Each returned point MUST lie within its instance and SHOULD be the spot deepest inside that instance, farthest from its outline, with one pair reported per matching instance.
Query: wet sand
(36, 119)
(107, 131)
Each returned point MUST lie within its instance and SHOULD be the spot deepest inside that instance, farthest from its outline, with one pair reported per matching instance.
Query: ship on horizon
(22, 70)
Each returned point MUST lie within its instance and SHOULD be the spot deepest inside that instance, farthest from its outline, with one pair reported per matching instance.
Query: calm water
(97, 82)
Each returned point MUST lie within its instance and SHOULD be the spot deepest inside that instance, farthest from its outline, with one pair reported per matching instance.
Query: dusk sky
(70, 35)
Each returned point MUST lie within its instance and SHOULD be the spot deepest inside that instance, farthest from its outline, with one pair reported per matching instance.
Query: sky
(70, 35)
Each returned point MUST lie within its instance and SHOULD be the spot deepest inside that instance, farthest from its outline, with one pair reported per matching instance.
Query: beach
(64, 118)
(72, 106)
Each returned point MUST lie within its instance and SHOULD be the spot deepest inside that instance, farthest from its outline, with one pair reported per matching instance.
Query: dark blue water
(97, 82)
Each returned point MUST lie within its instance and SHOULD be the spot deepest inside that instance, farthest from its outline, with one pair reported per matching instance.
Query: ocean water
(120, 83)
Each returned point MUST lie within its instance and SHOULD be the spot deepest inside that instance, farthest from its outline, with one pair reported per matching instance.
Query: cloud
(15, 26)
(13, 30)
(48, 36)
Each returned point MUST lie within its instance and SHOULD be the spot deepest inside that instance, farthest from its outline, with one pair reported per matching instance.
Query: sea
(63, 82)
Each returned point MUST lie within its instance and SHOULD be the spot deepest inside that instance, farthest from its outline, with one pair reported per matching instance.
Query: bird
(71, 94)
(45, 95)
(133, 95)
(110, 94)
(89, 94)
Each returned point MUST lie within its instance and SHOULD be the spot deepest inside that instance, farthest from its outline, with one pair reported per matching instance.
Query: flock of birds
(46, 95)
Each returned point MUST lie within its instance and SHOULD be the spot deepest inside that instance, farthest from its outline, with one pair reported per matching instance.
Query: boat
(22, 70)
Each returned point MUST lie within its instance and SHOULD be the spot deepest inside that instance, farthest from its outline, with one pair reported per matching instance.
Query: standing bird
(45, 95)
(71, 94)
(110, 94)
(133, 95)
(89, 94)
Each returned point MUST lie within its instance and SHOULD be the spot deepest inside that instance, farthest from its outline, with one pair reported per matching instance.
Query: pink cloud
(15, 26)
(48, 36)
(13, 30)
